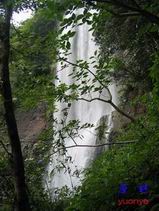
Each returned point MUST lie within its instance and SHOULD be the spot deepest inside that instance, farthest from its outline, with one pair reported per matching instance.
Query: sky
(20, 17)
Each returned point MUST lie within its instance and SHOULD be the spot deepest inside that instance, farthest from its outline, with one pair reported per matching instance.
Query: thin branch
(5, 149)
(94, 146)
(76, 65)
(18, 32)
(72, 138)
(110, 95)
(93, 99)
(112, 104)
(127, 14)
(48, 189)
(122, 112)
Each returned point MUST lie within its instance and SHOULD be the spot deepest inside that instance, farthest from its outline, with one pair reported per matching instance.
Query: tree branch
(148, 15)
(125, 14)
(5, 149)
(112, 104)
(122, 112)
(72, 138)
(105, 101)
(22, 201)
(110, 95)
(94, 146)
(76, 65)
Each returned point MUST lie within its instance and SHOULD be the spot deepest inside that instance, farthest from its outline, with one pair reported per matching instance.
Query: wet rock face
(108, 129)
(119, 121)
(101, 135)
(30, 124)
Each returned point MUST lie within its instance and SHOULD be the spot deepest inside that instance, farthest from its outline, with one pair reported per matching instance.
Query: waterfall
(82, 47)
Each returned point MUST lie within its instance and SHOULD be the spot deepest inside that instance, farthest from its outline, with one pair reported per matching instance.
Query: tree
(22, 201)
(16, 158)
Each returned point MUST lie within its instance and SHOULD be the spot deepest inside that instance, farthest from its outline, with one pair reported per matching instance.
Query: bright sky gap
(18, 18)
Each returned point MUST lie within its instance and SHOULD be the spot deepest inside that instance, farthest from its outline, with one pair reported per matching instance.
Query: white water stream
(82, 47)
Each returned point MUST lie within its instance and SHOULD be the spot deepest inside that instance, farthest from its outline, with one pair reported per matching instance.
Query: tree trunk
(22, 201)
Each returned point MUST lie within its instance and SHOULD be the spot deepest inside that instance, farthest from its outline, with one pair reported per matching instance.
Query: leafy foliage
(133, 164)
(32, 67)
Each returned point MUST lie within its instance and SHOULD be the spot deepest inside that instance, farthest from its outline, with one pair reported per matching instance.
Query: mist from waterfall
(78, 158)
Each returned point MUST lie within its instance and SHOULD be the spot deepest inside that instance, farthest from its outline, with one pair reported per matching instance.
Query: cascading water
(82, 48)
